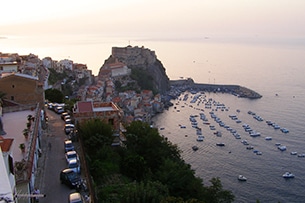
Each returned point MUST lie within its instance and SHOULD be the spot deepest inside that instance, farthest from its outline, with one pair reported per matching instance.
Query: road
(52, 161)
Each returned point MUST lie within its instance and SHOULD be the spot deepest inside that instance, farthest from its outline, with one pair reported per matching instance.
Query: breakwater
(237, 90)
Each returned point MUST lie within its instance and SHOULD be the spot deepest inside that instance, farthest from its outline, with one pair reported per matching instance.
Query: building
(21, 89)
(21, 151)
(108, 112)
(7, 178)
(9, 67)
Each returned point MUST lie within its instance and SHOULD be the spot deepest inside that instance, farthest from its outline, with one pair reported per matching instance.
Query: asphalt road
(52, 162)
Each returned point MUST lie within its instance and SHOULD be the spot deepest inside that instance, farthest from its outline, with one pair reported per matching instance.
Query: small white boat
(284, 130)
(301, 155)
(293, 153)
(288, 175)
(250, 147)
(200, 138)
(282, 148)
(241, 178)
(268, 138)
(254, 134)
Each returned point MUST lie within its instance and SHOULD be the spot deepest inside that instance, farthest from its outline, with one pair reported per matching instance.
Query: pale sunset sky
(85, 31)
(158, 18)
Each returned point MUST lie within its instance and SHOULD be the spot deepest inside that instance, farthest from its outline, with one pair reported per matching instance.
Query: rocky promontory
(143, 59)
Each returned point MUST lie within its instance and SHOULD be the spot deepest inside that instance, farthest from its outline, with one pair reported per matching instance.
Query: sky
(158, 18)
(85, 31)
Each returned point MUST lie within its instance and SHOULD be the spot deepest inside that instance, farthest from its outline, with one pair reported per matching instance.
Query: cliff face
(143, 58)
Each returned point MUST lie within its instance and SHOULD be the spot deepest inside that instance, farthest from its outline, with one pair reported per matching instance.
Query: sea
(272, 66)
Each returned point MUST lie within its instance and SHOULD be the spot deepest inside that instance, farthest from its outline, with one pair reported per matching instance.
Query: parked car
(71, 155)
(74, 164)
(76, 197)
(70, 178)
(68, 128)
(59, 109)
(64, 114)
(68, 146)
(68, 121)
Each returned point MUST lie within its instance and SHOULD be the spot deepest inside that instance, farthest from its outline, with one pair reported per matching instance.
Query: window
(12, 98)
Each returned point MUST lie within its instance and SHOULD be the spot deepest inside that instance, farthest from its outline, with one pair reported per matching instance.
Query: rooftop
(13, 124)
(90, 106)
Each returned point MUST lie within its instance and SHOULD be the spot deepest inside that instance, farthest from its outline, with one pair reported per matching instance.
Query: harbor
(237, 90)
(237, 136)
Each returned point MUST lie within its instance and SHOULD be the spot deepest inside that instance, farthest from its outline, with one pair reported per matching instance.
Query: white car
(74, 165)
(69, 128)
(76, 197)
(71, 155)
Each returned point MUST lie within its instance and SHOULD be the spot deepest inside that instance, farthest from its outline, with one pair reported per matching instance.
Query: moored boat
(288, 175)
(282, 148)
(195, 148)
(241, 178)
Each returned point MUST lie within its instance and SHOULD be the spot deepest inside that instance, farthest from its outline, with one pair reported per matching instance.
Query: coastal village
(86, 87)
(141, 105)
(25, 78)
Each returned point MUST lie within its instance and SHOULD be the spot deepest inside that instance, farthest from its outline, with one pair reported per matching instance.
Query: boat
(268, 138)
(293, 153)
(288, 175)
(218, 133)
(245, 142)
(282, 148)
(220, 144)
(200, 138)
(195, 148)
(241, 178)
(284, 130)
(254, 134)
(250, 147)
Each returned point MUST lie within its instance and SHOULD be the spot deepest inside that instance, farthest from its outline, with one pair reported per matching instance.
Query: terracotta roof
(84, 106)
(6, 144)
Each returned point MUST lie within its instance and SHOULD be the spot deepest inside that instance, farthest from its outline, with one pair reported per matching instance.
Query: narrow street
(52, 161)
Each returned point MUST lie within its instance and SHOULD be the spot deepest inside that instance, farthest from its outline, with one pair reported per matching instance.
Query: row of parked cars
(71, 175)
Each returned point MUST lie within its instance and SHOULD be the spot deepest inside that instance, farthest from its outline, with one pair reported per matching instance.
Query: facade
(9, 67)
(22, 89)
(20, 165)
(7, 178)
(106, 111)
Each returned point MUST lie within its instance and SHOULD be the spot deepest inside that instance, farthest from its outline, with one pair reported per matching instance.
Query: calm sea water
(276, 73)
(269, 66)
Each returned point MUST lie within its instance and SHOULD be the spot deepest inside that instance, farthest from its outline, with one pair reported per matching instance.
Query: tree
(95, 135)
(180, 179)
(134, 166)
(216, 194)
(54, 95)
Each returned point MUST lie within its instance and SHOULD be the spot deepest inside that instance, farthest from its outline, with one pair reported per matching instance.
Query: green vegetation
(143, 78)
(55, 76)
(148, 169)
(54, 95)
